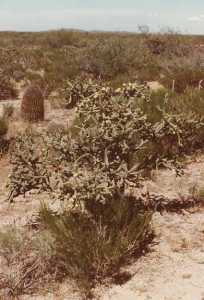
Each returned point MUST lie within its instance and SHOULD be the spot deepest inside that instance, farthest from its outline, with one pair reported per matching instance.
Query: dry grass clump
(28, 263)
(90, 250)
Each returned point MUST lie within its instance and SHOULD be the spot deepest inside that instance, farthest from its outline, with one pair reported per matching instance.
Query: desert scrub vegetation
(93, 169)
(116, 57)
(120, 133)
(100, 226)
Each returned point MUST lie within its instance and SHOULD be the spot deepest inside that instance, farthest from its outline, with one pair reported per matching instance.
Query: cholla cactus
(75, 91)
(29, 169)
(32, 106)
(132, 90)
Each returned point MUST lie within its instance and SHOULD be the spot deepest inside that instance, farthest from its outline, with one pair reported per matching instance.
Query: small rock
(187, 276)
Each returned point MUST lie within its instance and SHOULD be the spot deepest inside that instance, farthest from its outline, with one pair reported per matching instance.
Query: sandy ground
(172, 270)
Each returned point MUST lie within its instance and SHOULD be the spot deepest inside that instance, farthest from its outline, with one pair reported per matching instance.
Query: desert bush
(63, 62)
(90, 251)
(29, 165)
(129, 126)
(168, 43)
(59, 38)
(184, 78)
(156, 45)
(107, 57)
(96, 167)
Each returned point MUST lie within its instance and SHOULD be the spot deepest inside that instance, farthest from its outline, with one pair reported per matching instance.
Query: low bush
(87, 250)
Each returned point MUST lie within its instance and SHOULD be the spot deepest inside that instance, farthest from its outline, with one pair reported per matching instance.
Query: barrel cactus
(32, 106)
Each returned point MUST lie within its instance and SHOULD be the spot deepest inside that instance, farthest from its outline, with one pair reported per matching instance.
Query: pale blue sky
(184, 15)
